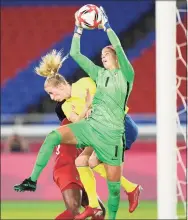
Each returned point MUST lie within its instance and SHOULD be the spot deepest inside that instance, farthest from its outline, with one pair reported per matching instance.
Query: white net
(182, 110)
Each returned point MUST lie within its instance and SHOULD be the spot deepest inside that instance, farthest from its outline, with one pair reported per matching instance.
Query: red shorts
(65, 171)
(66, 175)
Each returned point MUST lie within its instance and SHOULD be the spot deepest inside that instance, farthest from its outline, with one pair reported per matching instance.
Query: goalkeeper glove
(78, 29)
(105, 23)
(26, 185)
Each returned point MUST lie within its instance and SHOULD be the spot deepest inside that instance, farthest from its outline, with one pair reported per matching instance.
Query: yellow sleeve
(67, 109)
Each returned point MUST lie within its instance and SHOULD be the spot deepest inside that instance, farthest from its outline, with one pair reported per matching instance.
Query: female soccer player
(65, 173)
(104, 128)
(67, 178)
(113, 62)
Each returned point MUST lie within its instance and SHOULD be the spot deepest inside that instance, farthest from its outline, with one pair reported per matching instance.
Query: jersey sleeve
(87, 65)
(125, 65)
(67, 109)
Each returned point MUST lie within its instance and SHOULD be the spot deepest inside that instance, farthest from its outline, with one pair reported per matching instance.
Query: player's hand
(105, 23)
(26, 185)
(88, 98)
(78, 29)
(76, 20)
(88, 113)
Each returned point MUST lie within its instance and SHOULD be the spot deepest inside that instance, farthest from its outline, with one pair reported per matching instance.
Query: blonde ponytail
(50, 64)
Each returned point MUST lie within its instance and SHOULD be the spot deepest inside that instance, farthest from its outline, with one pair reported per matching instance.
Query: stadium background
(29, 30)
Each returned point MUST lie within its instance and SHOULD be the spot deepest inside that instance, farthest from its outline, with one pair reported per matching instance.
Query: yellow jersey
(78, 95)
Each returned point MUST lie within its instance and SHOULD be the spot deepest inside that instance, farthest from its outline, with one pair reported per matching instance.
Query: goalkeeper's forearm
(125, 65)
(52, 140)
(114, 40)
(86, 64)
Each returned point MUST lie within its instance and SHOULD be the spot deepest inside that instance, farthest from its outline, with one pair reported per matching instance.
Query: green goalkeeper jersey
(113, 86)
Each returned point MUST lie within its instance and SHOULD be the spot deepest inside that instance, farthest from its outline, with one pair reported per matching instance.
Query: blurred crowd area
(16, 144)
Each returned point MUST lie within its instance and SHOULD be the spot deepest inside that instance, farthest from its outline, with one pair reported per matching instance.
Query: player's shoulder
(65, 105)
(85, 81)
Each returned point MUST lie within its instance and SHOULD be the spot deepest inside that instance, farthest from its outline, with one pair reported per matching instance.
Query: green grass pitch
(50, 209)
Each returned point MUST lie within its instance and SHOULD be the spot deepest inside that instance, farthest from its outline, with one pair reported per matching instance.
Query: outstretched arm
(124, 63)
(86, 64)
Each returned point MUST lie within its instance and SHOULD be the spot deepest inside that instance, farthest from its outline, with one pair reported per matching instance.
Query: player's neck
(69, 89)
(113, 67)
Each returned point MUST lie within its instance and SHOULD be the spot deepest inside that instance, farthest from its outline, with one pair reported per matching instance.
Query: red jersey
(66, 153)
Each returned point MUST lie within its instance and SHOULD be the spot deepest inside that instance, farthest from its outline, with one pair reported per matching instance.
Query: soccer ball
(89, 16)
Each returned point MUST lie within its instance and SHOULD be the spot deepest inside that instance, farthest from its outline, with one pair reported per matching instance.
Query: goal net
(171, 78)
(181, 56)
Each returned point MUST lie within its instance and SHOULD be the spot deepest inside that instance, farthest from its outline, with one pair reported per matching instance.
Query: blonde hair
(49, 67)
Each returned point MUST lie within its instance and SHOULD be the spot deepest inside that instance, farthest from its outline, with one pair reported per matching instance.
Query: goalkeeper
(114, 83)
(105, 126)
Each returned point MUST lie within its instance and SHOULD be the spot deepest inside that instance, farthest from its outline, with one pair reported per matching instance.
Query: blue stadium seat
(27, 88)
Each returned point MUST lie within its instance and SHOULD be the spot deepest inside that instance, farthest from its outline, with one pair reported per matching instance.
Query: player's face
(58, 93)
(109, 58)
